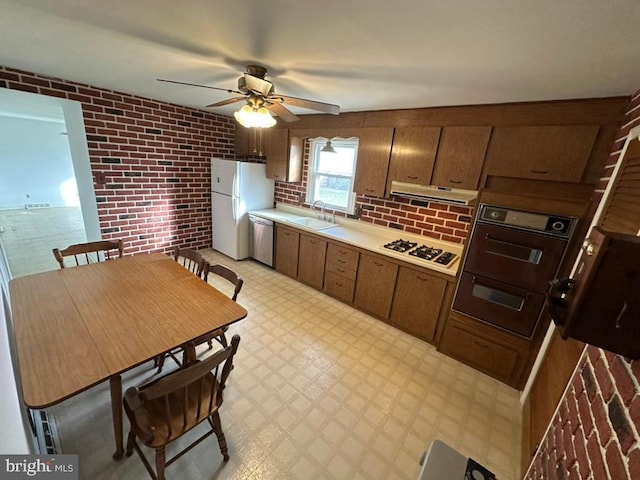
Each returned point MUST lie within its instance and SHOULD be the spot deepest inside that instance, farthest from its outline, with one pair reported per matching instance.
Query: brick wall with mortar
(595, 433)
(155, 159)
(430, 219)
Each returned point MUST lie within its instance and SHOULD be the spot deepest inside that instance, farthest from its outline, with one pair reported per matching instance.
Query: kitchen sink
(313, 223)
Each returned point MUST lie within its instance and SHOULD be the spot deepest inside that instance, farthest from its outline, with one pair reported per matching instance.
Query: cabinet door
(558, 153)
(486, 349)
(460, 157)
(374, 148)
(375, 285)
(287, 242)
(417, 302)
(249, 141)
(413, 154)
(311, 260)
(284, 155)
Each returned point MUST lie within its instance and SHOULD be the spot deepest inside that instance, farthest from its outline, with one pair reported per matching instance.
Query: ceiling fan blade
(228, 90)
(310, 104)
(281, 111)
(226, 102)
(258, 85)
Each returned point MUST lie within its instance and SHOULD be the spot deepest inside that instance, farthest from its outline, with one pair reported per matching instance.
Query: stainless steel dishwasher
(261, 239)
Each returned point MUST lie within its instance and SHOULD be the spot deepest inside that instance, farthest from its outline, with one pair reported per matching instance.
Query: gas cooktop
(430, 254)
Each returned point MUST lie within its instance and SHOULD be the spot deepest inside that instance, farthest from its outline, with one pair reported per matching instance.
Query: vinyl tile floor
(319, 391)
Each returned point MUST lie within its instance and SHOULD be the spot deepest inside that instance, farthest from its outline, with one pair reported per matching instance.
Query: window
(331, 175)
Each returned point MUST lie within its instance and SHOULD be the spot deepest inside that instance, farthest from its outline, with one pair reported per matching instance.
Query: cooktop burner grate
(424, 252)
(400, 245)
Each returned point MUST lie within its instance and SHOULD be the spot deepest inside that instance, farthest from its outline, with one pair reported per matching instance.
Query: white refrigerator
(236, 188)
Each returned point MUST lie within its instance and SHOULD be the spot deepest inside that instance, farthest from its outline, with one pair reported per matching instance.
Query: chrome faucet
(322, 210)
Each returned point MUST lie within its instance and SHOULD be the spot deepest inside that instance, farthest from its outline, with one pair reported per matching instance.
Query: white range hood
(432, 193)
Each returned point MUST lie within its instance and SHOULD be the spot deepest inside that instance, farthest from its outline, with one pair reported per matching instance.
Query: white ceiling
(359, 54)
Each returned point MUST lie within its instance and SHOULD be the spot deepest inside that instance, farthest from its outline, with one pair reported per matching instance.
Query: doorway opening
(47, 198)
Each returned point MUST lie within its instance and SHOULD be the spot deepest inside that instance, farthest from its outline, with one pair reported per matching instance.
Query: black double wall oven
(511, 258)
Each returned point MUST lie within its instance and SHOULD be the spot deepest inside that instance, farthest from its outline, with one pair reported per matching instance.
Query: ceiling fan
(259, 95)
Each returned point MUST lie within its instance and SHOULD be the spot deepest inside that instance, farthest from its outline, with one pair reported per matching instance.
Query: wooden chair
(191, 260)
(167, 408)
(90, 252)
(237, 282)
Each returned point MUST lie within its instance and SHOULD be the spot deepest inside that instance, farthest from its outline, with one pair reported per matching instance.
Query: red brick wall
(596, 432)
(155, 158)
(443, 222)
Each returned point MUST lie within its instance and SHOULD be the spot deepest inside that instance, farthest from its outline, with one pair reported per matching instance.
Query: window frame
(315, 144)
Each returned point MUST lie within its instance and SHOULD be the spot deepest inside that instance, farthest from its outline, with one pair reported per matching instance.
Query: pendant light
(328, 148)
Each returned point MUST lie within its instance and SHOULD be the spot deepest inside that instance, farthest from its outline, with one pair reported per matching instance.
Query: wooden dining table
(77, 327)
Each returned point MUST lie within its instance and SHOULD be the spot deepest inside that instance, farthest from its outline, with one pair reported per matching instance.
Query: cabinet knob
(589, 248)
(543, 172)
(455, 181)
(411, 177)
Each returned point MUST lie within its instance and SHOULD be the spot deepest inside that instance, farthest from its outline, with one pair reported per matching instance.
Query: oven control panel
(536, 222)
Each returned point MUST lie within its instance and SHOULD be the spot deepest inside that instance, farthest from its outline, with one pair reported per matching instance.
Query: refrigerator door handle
(234, 208)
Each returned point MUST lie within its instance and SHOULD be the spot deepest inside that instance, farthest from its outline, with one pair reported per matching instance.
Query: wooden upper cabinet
(247, 141)
(284, 155)
(413, 154)
(460, 157)
(557, 153)
(374, 148)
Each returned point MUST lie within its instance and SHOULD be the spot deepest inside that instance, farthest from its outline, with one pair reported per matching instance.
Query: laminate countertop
(366, 236)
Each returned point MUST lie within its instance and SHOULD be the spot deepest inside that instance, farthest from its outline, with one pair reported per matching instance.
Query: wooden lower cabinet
(375, 285)
(417, 302)
(340, 272)
(287, 244)
(311, 259)
(485, 348)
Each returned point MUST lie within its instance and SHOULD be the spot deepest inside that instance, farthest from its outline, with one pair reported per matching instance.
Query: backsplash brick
(430, 219)
(595, 433)
(155, 159)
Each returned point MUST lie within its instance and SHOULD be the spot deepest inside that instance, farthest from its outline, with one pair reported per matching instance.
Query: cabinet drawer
(342, 256)
(481, 353)
(339, 286)
(341, 270)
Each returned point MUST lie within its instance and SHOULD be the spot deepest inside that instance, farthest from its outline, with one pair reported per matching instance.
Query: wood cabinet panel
(413, 154)
(487, 349)
(339, 286)
(555, 153)
(374, 149)
(311, 260)
(555, 372)
(460, 157)
(417, 302)
(340, 271)
(287, 244)
(284, 154)
(375, 285)
(249, 141)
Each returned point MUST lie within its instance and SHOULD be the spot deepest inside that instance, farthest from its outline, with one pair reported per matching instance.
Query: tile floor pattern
(319, 391)
(29, 235)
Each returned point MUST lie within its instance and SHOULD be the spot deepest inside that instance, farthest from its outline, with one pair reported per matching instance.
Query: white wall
(35, 162)
(15, 438)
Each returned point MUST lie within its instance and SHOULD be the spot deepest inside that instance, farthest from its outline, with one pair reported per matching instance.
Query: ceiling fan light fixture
(251, 117)
(328, 148)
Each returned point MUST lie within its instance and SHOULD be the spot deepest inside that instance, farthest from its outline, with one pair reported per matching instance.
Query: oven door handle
(534, 256)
